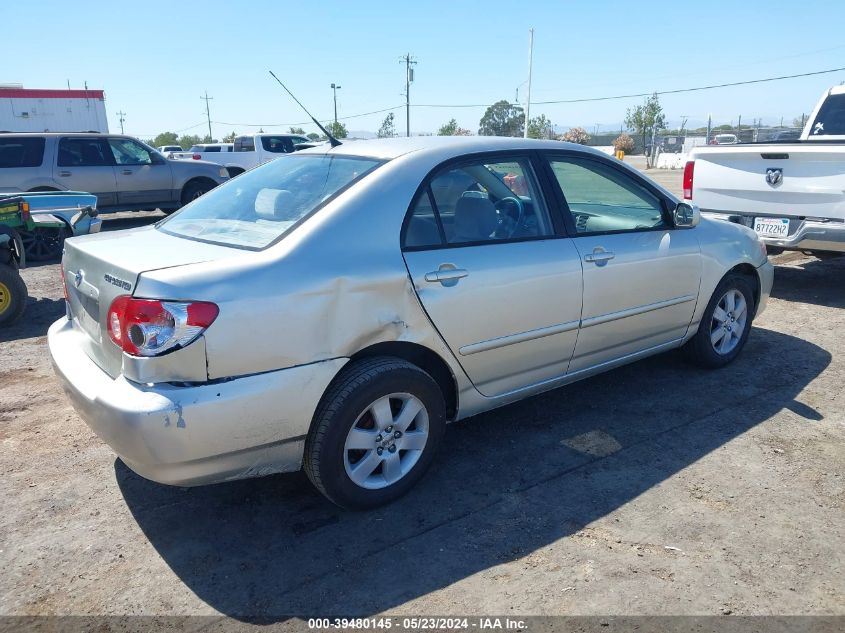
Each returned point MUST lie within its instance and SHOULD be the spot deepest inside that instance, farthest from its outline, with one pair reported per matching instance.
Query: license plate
(771, 227)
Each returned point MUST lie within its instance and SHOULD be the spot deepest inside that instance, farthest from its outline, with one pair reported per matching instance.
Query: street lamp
(335, 88)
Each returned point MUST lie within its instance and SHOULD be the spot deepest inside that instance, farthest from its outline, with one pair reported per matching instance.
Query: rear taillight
(196, 156)
(689, 168)
(25, 213)
(148, 327)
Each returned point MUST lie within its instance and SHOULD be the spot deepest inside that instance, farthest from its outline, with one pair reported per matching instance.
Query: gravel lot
(657, 488)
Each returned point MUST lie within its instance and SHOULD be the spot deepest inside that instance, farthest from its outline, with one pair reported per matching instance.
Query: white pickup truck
(792, 194)
(247, 151)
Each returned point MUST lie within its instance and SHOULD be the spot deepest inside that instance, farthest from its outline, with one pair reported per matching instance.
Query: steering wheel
(507, 224)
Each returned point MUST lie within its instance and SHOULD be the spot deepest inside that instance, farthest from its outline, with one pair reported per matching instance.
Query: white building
(36, 110)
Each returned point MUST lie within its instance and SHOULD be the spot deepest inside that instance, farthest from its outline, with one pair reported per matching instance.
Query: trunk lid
(734, 179)
(99, 268)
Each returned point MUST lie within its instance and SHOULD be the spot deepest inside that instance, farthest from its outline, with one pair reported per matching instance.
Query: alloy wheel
(728, 323)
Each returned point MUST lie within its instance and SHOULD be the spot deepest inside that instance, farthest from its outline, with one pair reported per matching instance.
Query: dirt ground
(658, 488)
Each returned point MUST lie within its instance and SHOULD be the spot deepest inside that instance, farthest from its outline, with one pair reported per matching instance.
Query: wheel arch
(424, 358)
(747, 270)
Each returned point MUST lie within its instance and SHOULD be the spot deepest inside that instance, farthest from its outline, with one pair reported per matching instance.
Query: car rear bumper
(804, 235)
(198, 433)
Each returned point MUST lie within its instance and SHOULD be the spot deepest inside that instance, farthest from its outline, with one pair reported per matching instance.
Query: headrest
(475, 219)
(275, 204)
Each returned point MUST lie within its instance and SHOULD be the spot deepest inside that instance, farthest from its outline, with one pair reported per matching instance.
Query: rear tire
(725, 324)
(375, 432)
(13, 294)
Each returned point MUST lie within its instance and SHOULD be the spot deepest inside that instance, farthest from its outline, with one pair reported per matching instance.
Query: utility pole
(409, 77)
(528, 100)
(684, 118)
(121, 114)
(206, 98)
(335, 88)
(739, 128)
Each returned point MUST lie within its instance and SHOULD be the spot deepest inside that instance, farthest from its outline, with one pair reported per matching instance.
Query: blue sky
(155, 59)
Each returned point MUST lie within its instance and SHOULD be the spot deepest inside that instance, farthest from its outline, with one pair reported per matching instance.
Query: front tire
(374, 433)
(13, 294)
(725, 324)
(194, 190)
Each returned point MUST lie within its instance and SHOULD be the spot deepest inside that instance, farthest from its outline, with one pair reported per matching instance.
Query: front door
(141, 179)
(641, 275)
(85, 164)
(503, 291)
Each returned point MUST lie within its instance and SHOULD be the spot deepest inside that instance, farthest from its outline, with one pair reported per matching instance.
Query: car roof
(389, 148)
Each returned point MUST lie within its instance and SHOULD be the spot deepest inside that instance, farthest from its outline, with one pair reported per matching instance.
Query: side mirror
(686, 216)
(157, 159)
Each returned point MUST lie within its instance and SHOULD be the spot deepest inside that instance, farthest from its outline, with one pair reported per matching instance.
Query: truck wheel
(44, 243)
(374, 433)
(725, 324)
(13, 295)
(194, 190)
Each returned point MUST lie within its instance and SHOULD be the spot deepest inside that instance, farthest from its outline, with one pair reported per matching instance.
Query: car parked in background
(724, 139)
(247, 152)
(167, 149)
(124, 173)
(336, 307)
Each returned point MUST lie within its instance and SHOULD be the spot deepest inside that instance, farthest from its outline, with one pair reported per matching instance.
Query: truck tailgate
(734, 179)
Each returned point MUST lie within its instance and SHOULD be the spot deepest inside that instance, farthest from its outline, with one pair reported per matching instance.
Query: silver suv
(122, 172)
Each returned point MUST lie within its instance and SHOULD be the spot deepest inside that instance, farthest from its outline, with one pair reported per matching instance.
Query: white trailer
(37, 110)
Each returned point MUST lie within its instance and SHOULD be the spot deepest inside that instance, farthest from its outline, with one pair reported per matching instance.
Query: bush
(623, 143)
(576, 135)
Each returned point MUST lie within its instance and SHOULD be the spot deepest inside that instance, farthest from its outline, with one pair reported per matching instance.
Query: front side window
(128, 152)
(601, 198)
(21, 151)
(262, 205)
(83, 152)
(277, 144)
(486, 201)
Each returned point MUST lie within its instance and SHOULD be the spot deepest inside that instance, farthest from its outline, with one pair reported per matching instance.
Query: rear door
(641, 275)
(85, 163)
(496, 279)
(142, 176)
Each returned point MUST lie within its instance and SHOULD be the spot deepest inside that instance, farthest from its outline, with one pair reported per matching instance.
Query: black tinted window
(244, 144)
(277, 144)
(831, 117)
(21, 151)
(82, 152)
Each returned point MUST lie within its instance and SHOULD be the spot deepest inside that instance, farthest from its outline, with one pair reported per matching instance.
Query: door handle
(446, 275)
(599, 257)
(64, 173)
(127, 172)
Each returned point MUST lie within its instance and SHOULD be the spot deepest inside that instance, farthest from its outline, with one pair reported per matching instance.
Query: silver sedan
(335, 308)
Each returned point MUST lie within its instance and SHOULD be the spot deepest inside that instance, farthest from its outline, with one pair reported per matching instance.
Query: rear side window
(21, 151)
(244, 144)
(83, 152)
(831, 117)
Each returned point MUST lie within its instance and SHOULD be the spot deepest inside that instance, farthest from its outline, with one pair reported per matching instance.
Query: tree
(230, 138)
(387, 129)
(313, 136)
(502, 119)
(623, 143)
(338, 130)
(297, 130)
(540, 127)
(646, 118)
(576, 135)
(189, 140)
(453, 129)
(165, 138)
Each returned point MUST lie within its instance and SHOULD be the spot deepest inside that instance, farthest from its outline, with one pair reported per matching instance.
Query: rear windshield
(831, 117)
(260, 206)
(21, 151)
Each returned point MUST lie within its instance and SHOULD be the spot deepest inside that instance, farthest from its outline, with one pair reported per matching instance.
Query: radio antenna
(334, 142)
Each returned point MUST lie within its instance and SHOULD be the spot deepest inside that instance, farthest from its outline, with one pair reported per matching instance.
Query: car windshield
(260, 206)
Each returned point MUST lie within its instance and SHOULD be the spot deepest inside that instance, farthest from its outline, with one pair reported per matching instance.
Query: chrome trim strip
(520, 337)
(622, 314)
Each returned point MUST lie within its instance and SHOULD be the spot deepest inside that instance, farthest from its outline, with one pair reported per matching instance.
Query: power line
(340, 118)
(639, 94)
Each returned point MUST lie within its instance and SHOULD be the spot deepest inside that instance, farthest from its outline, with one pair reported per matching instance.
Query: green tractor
(14, 215)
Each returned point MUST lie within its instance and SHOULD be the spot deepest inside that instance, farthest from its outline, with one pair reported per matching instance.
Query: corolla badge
(774, 176)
